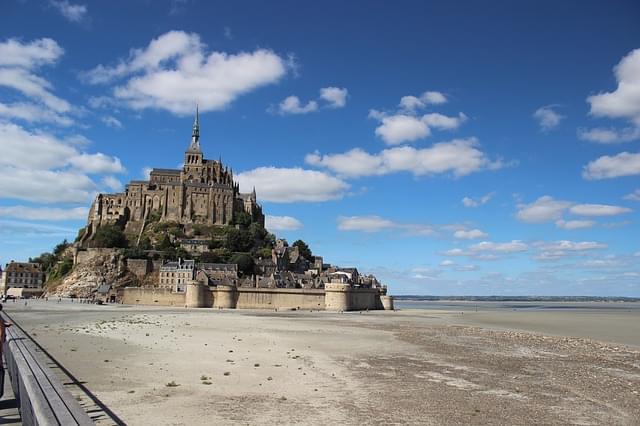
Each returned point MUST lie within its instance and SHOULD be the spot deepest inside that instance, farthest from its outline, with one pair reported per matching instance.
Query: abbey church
(202, 192)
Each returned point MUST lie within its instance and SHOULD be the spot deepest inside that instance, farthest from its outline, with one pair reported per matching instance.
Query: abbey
(202, 192)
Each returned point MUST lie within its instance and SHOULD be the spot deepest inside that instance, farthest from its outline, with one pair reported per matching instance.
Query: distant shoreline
(519, 298)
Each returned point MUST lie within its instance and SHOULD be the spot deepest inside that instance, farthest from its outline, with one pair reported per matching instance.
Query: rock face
(92, 269)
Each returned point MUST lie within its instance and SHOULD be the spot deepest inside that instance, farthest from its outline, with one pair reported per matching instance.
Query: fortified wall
(335, 297)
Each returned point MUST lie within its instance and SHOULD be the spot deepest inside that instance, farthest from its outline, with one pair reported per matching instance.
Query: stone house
(27, 278)
(176, 275)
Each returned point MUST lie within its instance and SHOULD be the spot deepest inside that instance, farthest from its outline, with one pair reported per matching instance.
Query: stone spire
(194, 146)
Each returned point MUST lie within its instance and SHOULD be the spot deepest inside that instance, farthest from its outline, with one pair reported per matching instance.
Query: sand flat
(409, 367)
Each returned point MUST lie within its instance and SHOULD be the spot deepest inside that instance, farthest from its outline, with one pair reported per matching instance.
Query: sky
(448, 147)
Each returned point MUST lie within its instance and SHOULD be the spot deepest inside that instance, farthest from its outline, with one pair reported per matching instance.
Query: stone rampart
(152, 296)
(139, 267)
(335, 297)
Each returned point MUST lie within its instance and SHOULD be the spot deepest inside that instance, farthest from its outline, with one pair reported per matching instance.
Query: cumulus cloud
(19, 62)
(547, 117)
(471, 234)
(112, 183)
(459, 157)
(555, 250)
(544, 209)
(51, 162)
(374, 223)
(477, 202)
(547, 209)
(282, 223)
(365, 223)
(609, 167)
(288, 185)
(335, 96)
(624, 102)
(574, 224)
(44, 213)
(14, 53)
(292, 105)
(610, 135)
(400, 128)
(633, 196)
(72, 12)
(112, 122)
(411, 103)
(175, 70)
(407, 125)
(489, 250)
(598, 210)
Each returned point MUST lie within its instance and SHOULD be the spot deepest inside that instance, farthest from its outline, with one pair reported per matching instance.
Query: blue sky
(447, 147)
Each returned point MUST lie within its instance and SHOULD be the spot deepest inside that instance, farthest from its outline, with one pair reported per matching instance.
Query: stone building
(202, 192)
(215, 273)
(23, 279)
(175, 276)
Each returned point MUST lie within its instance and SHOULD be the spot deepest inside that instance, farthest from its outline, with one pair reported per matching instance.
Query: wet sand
(408, 367)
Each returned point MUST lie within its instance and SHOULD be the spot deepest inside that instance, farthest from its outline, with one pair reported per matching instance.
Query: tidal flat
(428, 365)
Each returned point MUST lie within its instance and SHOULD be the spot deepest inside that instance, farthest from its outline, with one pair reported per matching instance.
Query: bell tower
(193, 155)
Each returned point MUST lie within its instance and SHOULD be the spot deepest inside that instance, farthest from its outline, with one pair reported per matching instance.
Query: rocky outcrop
(101, 266)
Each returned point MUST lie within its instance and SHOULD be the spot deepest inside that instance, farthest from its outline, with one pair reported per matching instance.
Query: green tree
(243, 219)
(220, 255)
(244, 262)
(60, 248)
(304, 249)
(239, 240)
(110, 236)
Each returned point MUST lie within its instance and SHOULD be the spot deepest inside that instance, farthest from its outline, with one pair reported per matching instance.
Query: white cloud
(175, 70)
(565, 245)
(433, 98)
(96, 163)
(598, 210)
(292, 105)
(36, 185)
(477, 202)
(112, 122)
(513, 246)
(287, 185)
(574, 224)
(401, 128)
(18, 62)
(72, 12)
(624, 102)
(633, 196)
(447, 262)
(112, 183)
(337, 97)
(33, 113)
(52, 162)
(443, 122)
(411, 103)
(547, 117)
(282, 223)
(455, 252)
(14, 53)
(471, 234)
(608, 167)
(365, 223)
(544, 209)
(27, 229)
(609, 136)
(459, 157)
(44, 213)
(146, 172)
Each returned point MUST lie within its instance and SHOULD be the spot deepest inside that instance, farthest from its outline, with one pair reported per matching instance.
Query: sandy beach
(414, 366)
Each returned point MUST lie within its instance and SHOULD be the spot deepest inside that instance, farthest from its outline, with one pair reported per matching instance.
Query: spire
(253, 194)
(195, 134)
(194, 146)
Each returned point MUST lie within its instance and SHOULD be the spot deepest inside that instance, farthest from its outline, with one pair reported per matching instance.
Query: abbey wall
(202, 192)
